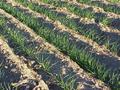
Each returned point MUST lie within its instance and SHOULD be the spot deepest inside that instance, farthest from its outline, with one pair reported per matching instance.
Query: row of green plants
(106, 7)
(114, 1)
(71, 7)
(79, 11)
(3, 84)
(95, 35)
(83, 58)
(20, 45)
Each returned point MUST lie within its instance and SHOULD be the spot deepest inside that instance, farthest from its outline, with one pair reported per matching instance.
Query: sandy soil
(27, 75)
(65, 63)
(61, 63)
(104, 55)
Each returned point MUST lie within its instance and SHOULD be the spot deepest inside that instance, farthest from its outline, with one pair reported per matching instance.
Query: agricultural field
(59, 44)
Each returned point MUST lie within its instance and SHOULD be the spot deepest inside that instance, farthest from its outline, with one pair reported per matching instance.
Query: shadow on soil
(8, 76)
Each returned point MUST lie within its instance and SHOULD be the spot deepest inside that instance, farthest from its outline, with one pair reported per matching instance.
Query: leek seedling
(81, 58)
(67, 82)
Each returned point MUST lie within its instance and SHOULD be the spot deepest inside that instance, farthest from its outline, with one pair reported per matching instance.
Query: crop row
(2, 85)
(4, 82)
(79, 11)
(20, 45)
(107, 8)
(96, 35)
(83, 58)
(3, 30)
(114, 1)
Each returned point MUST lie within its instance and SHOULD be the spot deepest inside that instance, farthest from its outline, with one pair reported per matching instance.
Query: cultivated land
(59, 45)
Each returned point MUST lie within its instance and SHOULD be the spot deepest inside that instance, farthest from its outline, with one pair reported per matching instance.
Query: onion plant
(3, 84)
(82, 57)
(107, 7)
(96, 35)
(15, 37)
(66, 82)
(86, 13)
(114, 1)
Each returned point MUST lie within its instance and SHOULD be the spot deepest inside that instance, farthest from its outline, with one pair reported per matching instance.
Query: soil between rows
(64, 62)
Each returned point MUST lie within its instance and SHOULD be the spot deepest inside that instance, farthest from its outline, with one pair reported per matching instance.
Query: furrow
(27, 76)
(108, 7)
(81, 76)
(44, 31)
(91, 46)
(100, 50)
(105, 37)
(114, 1)
(89, 12)
(97, 10)
(86, 19)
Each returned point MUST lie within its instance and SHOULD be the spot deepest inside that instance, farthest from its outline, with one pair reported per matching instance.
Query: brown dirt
(109, 31)
(27, 74)
(103, 54)
(64, 62)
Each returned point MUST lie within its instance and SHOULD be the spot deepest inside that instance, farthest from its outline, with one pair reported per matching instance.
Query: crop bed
(59, 45)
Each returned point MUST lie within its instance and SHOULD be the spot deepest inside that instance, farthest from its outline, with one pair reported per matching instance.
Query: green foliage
(78, 11)
(99, 37)
(43, 63)
(107, 8)
(71, 7)
(114, 1)
(18, 40)
(81, 56)
(2, 21)
(67, 82)
(4, 85)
